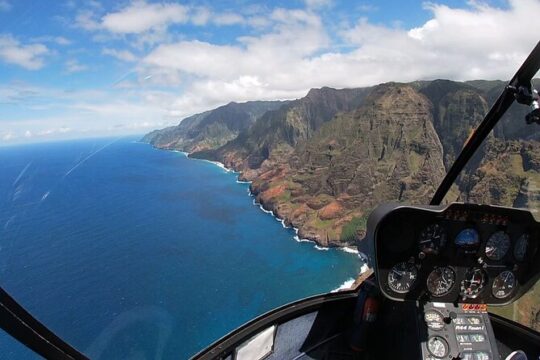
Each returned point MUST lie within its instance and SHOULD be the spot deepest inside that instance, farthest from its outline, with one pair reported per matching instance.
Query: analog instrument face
(432, 239)
(521, 247)
(467, 237)
(434, 320)
(402, 277)
(440, 281)
(473, 283)
(497, 245)
(504, 284)
(437, 346)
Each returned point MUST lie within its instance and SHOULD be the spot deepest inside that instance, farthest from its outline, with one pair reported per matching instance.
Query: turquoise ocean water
(131, 252)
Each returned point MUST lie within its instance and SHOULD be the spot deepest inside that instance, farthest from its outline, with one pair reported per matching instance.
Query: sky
(71, 69)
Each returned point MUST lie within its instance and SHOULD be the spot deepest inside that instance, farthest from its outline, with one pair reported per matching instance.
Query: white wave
(349, 250)
(46, 195)
(21, 174)
(217, 163)
(284, 224)
(10, 220)
(364, 268)
(321, 248)
(88, 157)
(242, 182)
(18, 192)
(297, 239)
(345, 286)
(266, 211)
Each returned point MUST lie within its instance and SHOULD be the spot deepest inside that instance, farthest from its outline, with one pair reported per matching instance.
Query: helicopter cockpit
(435, 271)
(452, 262)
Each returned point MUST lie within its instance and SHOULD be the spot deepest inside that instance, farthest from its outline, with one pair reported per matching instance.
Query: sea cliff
(323, 162)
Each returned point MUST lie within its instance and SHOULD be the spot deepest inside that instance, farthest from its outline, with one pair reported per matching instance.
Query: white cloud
(289, 53)
(479, 42)
(73, 66)
(123, 55)
(27, 56)
(318, 3)
(86, 19)
(140, 16)
(201, 16)
(228, 18)
(5, 5)
(294, 55)
(146, 20)
(54, 113)
(8, 136)
(60, 40)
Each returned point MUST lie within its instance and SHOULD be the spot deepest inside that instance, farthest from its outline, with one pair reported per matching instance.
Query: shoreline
(347, 284)
(317, 245)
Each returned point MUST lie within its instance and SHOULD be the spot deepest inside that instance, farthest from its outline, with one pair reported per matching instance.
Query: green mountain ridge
(323, 161)
(211, 129)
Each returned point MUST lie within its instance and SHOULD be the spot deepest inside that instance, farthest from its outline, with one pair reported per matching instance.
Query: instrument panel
(458, 253)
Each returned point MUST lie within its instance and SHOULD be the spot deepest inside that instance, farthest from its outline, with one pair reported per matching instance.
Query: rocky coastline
(321, 163)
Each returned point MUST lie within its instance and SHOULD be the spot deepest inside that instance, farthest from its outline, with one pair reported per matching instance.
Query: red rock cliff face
(387, 149)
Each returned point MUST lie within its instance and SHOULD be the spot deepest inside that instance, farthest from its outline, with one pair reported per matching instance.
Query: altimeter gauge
(497, 245)
(402, 277)
(473, 283)
(440, 281)
(503, 284)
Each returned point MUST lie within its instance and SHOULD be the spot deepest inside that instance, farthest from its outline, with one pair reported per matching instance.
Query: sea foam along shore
(296, 237)
(345, 286)
(348, 283)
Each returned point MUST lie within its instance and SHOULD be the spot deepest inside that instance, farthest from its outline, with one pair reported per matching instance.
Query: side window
(506, 171)
(525, 311)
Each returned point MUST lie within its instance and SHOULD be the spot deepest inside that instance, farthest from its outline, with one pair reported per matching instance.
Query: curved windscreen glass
(170, 170)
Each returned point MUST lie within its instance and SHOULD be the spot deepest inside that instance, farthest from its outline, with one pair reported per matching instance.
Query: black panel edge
(229, 342)
(22, 326)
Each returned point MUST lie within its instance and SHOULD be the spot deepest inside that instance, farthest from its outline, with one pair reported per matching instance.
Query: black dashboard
(457, 253)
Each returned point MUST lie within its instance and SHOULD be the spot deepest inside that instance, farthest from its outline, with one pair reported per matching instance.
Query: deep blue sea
(128, 252)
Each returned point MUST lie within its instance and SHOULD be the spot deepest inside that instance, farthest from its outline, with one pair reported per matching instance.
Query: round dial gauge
(432, 239)
(521, 247)
(402, 277)
(467, 237)
(504, 284)
(434, 320)
(440, 281)
(497, 245)
(437, 346)
(473, 283)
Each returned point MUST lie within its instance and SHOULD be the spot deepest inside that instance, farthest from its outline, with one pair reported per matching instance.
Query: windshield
(171, 170)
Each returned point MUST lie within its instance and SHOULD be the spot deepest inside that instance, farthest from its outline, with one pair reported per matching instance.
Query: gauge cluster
(460, 253)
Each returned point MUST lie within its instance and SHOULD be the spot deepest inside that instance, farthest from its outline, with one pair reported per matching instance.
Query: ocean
(129, 252)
